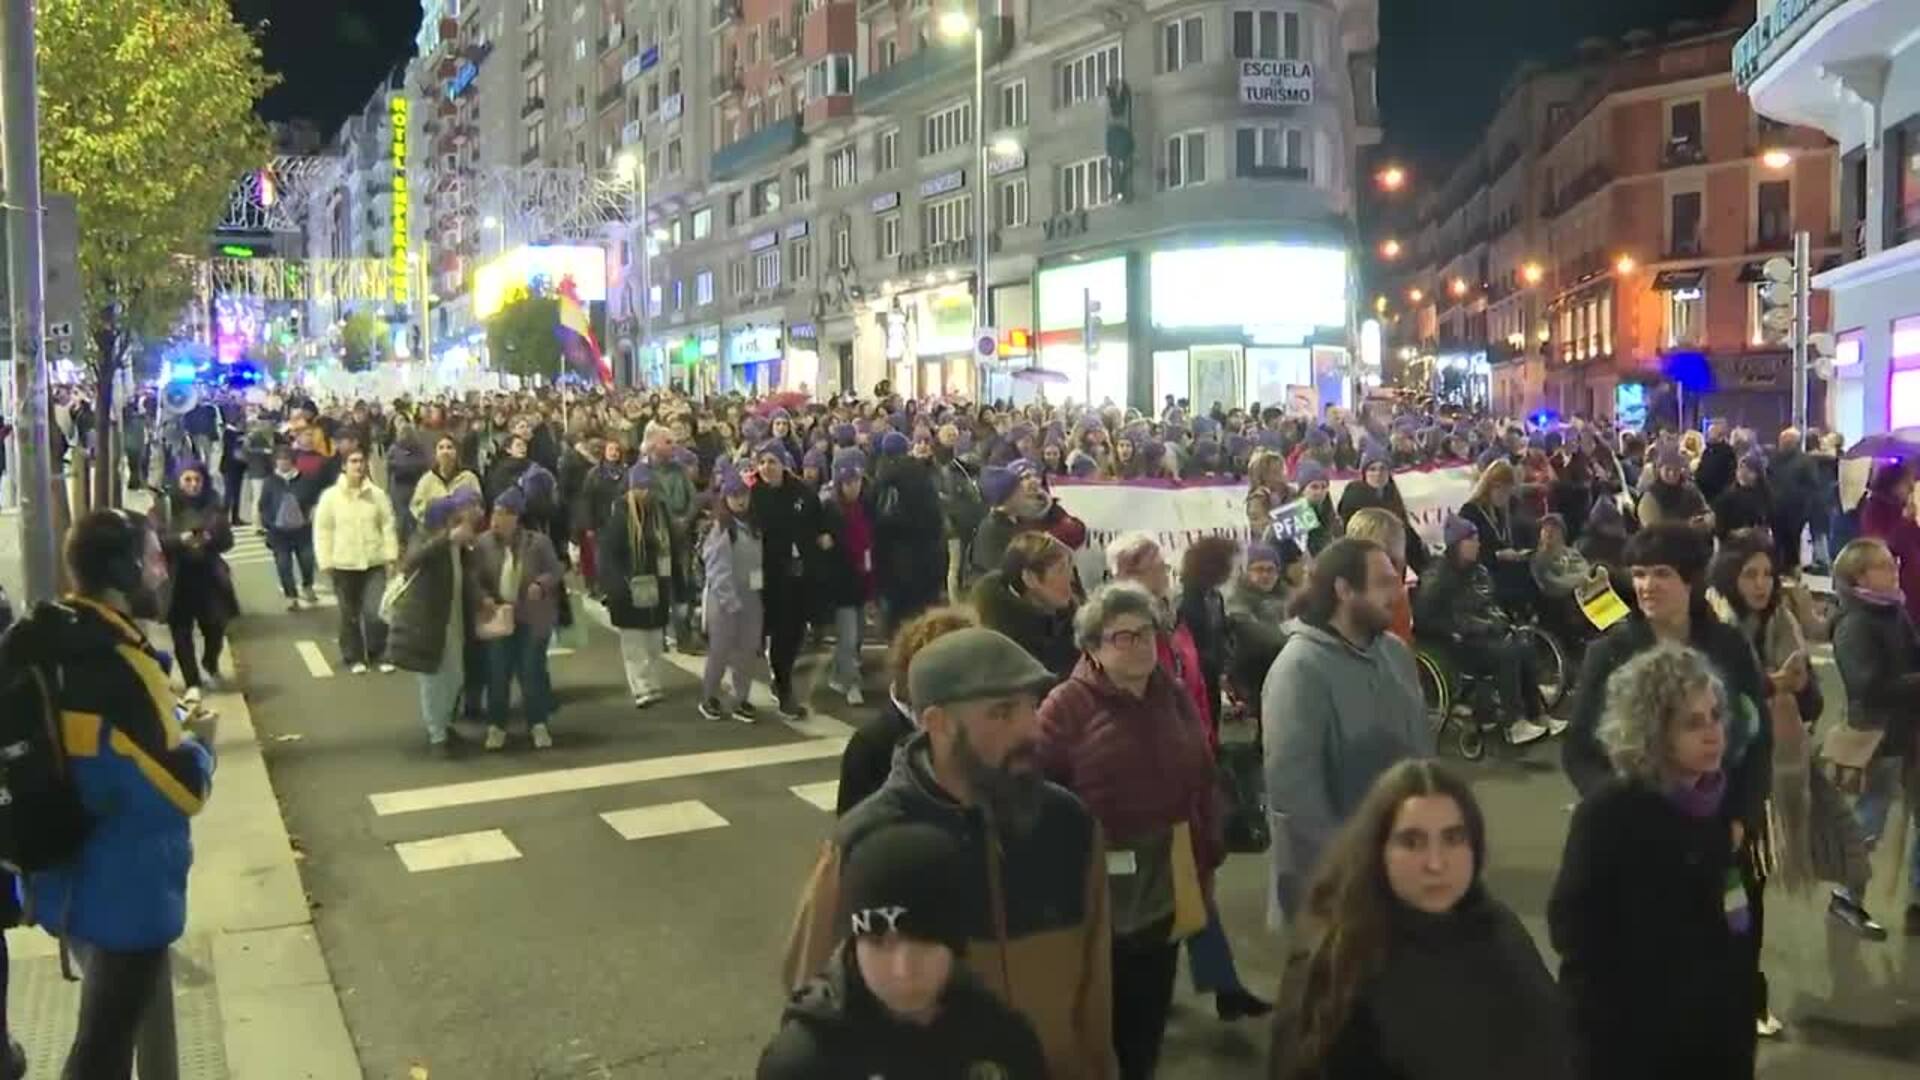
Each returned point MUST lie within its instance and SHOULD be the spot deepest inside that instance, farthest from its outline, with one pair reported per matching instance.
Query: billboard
(538, 269)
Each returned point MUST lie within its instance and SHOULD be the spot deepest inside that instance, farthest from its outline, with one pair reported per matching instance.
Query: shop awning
(1672, 280)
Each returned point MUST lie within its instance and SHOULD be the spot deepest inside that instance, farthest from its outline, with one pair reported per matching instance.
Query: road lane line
(460, 849)
(824, 795)
(666, 819)
(315, 660)
(588, 777)
(815, 725)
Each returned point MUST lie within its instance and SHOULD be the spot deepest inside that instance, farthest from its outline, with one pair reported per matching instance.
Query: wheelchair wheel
(1435, 691)
(1551, 666)
(1471, 740)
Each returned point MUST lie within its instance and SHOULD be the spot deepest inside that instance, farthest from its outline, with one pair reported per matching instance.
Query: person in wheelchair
(1456, 607)
(1256, 613)
(1559, 571)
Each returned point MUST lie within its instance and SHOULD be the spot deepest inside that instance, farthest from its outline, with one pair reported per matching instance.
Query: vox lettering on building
(401, 282)
(1276, 82)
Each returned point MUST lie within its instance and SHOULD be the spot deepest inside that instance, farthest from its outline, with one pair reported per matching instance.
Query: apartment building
(1652, 198)
(1851, 68)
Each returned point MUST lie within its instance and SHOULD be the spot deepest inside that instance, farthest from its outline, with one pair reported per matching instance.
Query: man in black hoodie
(1717, 460)
(894, 1001)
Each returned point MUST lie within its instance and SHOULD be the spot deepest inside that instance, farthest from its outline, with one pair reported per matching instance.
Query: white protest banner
(1177, 515)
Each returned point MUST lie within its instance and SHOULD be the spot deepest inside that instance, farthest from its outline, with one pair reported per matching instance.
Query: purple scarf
(1896, 598)
(1702, 799)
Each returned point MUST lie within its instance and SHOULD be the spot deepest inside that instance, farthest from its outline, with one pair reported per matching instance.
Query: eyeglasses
(1128, 639)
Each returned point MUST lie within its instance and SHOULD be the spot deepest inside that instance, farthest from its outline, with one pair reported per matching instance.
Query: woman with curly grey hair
(1655, 912)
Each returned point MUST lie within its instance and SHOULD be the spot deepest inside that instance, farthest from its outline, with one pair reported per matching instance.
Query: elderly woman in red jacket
(1125, 738)
(1886, 514)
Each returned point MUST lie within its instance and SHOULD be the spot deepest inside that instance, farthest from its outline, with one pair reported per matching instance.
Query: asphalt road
(553, 946)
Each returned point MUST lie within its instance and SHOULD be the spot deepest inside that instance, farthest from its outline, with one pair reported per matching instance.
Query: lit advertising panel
(1283, 291)
(399, 273)
(539, 268)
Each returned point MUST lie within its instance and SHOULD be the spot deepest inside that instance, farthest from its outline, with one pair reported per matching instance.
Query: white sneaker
(1555, 725)
(837, 686)
(386, 668)
(496, 738)
(1768, 1026)
(542, 737)
(357, 669)
(192, 696)
(855, 697)
(1523, 732)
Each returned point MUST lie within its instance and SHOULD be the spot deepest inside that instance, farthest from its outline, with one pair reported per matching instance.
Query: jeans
(640, 655)
(733, 646)
(125, 997)
(474, 657)
(1143, 968)
(847, 624)
(363, 637)
(1876, 803)
(287, 546)
(521, 656)
(440, 696)
(1508, 661)
(1210, 957)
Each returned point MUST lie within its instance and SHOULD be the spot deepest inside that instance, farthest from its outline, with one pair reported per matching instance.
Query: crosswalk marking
(666, 819)
(315, 660)
(588, 777)
(460, 849)
(824, 795)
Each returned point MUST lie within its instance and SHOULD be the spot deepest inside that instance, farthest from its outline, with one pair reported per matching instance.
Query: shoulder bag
(643, 590)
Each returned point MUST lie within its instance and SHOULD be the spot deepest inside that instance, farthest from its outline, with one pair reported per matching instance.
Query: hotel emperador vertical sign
(401, 281)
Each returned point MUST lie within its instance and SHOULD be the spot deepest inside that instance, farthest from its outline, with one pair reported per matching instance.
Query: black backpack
(43, 822)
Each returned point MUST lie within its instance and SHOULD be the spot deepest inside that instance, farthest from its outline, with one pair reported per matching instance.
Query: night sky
(1442, 62)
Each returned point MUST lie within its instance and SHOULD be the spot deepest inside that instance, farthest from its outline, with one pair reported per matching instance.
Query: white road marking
(587, 777)
(825, 795)
(461, 849)
(667, 819)
(815, 725)
(315, 660)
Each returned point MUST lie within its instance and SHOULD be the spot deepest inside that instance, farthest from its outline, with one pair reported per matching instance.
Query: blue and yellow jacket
(140, 777)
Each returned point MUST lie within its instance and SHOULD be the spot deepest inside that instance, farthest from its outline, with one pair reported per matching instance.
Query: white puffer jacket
(353, 529)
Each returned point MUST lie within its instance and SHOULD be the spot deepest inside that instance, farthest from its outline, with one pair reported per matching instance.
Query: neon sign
(401, 280)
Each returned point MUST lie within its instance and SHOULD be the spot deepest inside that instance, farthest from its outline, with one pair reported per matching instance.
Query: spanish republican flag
(576, 335)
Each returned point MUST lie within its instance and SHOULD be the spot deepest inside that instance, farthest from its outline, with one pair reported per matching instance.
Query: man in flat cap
(1034, 882)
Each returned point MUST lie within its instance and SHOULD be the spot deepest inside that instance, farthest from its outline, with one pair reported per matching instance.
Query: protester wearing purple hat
(796, 540)
(637, 581)
(518, 566)
(428, 626)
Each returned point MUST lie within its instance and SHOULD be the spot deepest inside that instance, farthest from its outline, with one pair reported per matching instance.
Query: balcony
(724, 12)
(763, 147)
(630, 134)
(530, 155)
(1276, 172)
(783, 46)
(576, 115)
(727, 84)
(607, 99)
(633, 68)
(1683, 152)
(1577, 189)
(926, 71)
(531, 58)
(532, 105)
(611, 40)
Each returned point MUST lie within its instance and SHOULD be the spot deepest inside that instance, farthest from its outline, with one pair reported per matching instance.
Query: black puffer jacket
(1047, 636)
(834, 1029)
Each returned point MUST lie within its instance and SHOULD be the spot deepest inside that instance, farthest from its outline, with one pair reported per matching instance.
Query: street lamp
(1776, 158)
(1459, 286)
(1416, 295)
(1624, 264)
(633, 168)
(1532, 273)
(955, 25)
(1390, 248)
(1391, 178)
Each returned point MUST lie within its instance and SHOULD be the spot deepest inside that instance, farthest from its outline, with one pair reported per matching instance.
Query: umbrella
(1041, 375)
(1901, 443)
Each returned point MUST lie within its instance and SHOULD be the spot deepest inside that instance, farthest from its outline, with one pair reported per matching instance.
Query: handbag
(1245, 829)
(1189, 905)
(495, 624)
(1845, 755)
(643, 590)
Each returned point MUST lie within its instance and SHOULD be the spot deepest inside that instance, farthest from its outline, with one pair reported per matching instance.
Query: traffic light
(1786, 318)
(1778, 300)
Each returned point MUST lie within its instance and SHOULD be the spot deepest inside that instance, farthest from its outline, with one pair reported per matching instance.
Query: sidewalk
(252, 996)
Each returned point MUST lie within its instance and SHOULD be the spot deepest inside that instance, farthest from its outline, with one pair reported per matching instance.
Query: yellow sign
(1600, 603)
(401, 277)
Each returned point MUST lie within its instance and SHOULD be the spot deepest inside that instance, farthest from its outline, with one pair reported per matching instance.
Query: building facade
(1610, 233)
(1172, 183)
(1851, 68)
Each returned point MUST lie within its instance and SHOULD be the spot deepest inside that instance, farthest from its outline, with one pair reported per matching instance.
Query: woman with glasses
(1125, 738)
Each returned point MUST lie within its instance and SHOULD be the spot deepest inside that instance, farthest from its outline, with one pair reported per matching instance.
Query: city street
(616, 907)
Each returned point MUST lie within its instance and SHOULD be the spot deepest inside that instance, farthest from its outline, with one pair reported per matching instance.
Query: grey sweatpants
(733, 646)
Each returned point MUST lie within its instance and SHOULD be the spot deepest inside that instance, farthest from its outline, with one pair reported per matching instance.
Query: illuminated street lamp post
(956, 24)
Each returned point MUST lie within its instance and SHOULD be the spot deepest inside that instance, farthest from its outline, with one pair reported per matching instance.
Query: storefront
(1244, 323)
(929, 340)
(755, 357)
(802, 368)
(1084, 304)
(693, 360)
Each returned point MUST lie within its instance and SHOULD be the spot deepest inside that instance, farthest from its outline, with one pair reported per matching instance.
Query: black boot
(1238, 1004)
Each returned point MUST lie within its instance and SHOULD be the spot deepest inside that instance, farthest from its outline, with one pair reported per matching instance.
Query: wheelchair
(1463, 706)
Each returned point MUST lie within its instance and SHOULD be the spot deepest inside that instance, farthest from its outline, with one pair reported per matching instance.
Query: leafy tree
(364, 341)
(146, 119)
(521, 336)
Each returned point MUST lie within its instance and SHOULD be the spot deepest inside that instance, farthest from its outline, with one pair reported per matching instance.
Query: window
(946, 221)
(1686, 311)
(1013, 104)
(673, 82)
(676, 234)
(1256, 35)
(1086, 77)
(1773, 204)
(753, 45)
(1269, 150)
(800, 260)
(1180, 43)
(579, 48)
(654, 299)
(947, 128)
(679, 295)
(1010, 197)
(885, 54)
(1684, 223)
(737, 277)
(766, 269)
(1290, 35)
(843, 167)
(843, 246)
(1684, 124)
(887, 236)
(1186, 159)
(675, 160)
(736, 207)
(703, 223)
(766, 196)
(830, 76)
(653, 97)
(886, 151)
(703, 288)
(802, 177)
(1085, 185)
